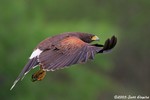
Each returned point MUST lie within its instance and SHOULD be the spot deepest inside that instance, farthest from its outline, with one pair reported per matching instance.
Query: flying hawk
(63, 50)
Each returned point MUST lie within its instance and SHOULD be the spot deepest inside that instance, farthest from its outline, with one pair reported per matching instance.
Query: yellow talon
(39, 75)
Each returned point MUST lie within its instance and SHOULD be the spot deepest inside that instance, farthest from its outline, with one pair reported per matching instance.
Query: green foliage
(24, 23)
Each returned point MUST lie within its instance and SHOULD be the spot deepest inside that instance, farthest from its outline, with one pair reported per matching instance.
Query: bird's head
(88, 38)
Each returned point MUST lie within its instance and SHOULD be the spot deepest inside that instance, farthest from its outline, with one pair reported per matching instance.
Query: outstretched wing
(71, 51)
(67, 52)
(108, 45)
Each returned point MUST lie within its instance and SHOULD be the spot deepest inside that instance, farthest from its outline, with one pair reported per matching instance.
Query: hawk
(63, 50)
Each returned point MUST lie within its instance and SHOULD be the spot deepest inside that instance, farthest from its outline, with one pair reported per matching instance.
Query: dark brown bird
(63, 50)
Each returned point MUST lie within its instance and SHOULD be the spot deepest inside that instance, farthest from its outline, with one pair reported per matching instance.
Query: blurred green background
(124, 71)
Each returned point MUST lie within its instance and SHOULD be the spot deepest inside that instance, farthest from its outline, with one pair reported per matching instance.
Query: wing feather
(61, 60)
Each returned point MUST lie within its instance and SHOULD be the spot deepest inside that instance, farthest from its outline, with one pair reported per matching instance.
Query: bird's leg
(39, 75)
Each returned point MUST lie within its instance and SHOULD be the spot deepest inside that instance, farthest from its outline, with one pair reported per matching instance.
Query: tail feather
(31, 63)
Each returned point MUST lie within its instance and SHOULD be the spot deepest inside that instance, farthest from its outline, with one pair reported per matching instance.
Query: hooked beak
(95, 38)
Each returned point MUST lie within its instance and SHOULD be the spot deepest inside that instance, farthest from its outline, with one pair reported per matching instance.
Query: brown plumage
(64, 50)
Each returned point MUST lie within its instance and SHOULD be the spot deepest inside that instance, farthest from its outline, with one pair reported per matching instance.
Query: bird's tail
(31, 64)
